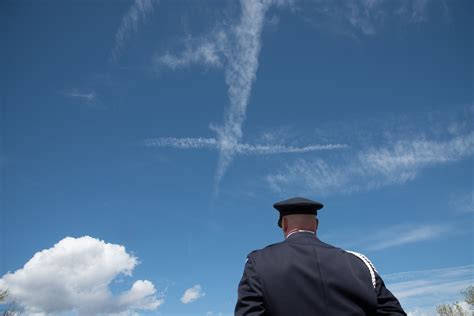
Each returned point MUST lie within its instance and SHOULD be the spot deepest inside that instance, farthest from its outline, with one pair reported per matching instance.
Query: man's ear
(284, 224)
(317, 223)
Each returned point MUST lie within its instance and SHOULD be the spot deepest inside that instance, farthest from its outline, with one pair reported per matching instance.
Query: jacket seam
(257, 276)
(323, 283)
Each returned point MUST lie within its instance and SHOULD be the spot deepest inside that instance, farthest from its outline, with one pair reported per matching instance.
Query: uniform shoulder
(362, 257)
(326, 245)
(370, 266)
(266, 249)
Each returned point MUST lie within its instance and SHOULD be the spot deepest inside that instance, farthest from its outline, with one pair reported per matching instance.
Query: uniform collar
(300, 232)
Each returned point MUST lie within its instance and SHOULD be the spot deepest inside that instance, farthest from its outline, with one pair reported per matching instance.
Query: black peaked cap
(297, 205)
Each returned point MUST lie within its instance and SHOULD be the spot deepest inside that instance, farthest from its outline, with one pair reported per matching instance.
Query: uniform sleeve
(250, 297)
(387, 303)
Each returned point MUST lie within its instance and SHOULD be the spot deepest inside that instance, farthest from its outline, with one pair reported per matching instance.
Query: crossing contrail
(240, 148)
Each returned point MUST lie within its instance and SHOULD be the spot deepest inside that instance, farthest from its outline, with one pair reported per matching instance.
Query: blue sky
(165, 131)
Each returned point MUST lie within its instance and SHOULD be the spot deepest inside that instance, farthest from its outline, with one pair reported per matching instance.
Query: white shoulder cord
(367, 262)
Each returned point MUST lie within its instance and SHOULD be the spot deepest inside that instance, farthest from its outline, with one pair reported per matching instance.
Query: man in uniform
(305, 276)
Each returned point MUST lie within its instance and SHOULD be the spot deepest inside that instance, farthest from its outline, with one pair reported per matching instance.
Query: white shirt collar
(300, 231)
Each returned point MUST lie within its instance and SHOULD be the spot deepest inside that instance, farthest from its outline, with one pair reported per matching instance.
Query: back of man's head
(299, 222)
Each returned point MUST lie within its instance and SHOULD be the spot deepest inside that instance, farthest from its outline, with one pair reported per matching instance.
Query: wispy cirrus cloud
(74, 276)
(234, 47)
(395, 163)
(84, 95)
(136, 14)
(421, 291)
(405, 234)
(212, 313)
(463, 202)
(393, 236)
(240, 148)
(192, 294)
(207, 51)
(182, 143)
(368, 17)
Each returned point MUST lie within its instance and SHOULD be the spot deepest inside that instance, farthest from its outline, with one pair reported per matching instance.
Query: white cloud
(234, 46)
(281, 149)
(406, 158)
(463, 202)
(138, 12)
(416, 11)
(207, 51)
(182, 143)
(368, 17)
(240, 74)
(392, 236)
(192, 294)
(236, 49)
(211, 313)
(421, 291)
(74, 275)
(239, 148)
(404, 234)
(88, 96)
(397, 163)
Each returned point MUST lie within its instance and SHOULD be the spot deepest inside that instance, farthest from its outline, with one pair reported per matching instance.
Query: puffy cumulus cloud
(74, 275)
(192, 294)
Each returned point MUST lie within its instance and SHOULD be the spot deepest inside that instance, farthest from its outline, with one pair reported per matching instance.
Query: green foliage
(3, 295)
(469, 295)
(10, 309)
(451, 310)
(456, 309)
(9, 312)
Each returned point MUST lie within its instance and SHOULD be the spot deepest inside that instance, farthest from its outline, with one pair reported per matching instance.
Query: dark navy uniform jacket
(304, 276)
